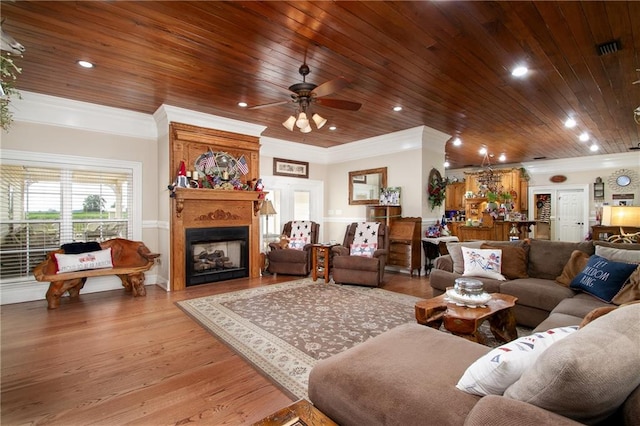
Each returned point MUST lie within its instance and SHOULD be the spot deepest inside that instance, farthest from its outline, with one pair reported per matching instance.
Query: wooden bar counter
(497, 231)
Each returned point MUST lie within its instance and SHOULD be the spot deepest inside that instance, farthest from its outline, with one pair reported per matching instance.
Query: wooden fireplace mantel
(182, 194)
(211, 208)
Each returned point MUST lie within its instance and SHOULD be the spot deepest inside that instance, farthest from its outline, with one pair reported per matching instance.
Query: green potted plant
(9, 71)
(492, 200)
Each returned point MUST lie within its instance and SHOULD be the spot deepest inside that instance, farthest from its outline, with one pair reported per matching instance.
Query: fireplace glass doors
(216, 254)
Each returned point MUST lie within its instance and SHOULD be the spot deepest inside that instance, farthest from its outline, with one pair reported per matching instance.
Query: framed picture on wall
(282, 167)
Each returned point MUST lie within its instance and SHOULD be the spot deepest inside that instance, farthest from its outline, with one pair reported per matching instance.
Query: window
(45, 205)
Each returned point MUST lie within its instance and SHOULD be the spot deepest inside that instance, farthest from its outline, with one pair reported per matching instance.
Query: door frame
(553, 190)
(287, 186)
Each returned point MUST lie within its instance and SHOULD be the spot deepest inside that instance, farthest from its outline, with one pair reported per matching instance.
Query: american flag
(208, 162)
(242, 165)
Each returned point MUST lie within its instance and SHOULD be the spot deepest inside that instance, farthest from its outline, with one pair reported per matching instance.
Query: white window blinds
(43, 207)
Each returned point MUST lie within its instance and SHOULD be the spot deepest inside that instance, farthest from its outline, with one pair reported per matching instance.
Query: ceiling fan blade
(330, 87)
(279, 88)
(338, 103)
(270, 104)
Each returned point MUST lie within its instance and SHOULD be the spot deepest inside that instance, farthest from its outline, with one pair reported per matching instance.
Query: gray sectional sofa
(542, 302)
(408, 375)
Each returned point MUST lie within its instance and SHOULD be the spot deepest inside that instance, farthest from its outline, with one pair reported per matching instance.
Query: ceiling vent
(635, 148)
(539, 158)
(608, 47)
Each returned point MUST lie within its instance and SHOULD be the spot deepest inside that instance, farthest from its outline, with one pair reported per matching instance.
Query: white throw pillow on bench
(83, 261)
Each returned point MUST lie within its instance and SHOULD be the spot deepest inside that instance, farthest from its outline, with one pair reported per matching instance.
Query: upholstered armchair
(358, 260)
(295, 259)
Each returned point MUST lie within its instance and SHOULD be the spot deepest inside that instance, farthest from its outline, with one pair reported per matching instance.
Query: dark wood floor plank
(107, 358)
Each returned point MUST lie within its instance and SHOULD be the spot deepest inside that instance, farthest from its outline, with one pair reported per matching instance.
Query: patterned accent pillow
(603, 278)
(297, 243)
(83, 261)
(494, 372)
(482, 263)
(365, 250)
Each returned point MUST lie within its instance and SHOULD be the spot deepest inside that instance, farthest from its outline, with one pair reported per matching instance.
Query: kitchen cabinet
(454, 196)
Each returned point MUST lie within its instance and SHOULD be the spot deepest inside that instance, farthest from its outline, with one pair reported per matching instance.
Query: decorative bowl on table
(468, 292)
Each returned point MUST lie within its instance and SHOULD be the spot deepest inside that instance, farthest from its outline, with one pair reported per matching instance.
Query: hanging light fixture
(302, 121)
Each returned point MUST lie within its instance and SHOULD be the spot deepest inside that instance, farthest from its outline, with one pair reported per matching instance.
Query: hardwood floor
(110, 359)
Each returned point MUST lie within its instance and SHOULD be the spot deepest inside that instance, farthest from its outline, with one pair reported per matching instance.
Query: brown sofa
(542, 302)
(408, 376)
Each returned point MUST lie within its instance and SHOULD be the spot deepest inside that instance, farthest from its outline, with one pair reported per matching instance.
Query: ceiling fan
(304, 94)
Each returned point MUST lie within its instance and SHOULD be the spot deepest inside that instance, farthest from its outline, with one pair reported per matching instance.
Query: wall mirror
(364, 185)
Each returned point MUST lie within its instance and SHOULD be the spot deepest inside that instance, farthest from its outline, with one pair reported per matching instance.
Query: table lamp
(621, 216)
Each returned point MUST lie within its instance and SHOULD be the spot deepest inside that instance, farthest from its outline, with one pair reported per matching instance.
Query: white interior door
(570, 218)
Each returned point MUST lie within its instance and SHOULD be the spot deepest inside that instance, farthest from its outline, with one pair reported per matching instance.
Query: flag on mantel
(242, 165)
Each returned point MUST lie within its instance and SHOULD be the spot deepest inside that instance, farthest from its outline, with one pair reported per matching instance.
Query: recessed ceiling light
(332, 127)
(397, 108)
(584, 137)
(483, 150)
(242, 104)
(457, 142)
(570, 123)
(446, 164)
(594, 147)
(502, 157)
(519, 71)
(85, 64)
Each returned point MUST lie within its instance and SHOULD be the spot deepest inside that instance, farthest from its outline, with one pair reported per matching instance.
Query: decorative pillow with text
(603, 278)
(83, 261)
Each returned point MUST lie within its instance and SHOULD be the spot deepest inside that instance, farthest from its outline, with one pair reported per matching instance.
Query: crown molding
(167, 114)
(272, 147)
(579, 164)
(61, 112)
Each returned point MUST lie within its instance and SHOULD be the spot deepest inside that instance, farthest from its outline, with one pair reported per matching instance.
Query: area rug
(284, 329)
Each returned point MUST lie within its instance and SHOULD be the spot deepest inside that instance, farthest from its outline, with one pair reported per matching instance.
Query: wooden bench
(130, 260)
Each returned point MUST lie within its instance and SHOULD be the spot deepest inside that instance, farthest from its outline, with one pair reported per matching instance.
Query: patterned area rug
(283, 329)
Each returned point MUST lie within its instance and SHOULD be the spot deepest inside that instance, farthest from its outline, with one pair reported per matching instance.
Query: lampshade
(289, 123)
(306, 129)
(303, 121)
(621, 216)
(267, 208)
(319, 120)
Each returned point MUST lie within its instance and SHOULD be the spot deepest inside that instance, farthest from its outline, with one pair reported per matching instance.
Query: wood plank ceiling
(446, 63)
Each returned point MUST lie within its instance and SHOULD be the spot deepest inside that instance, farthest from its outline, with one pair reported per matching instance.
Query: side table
(301, 413)
(321, 260)
(464, 322)
(431, 250)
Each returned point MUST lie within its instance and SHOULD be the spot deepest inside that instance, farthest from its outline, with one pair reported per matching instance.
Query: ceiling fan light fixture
(319, 120)
(306, 129)
(302, 121)
(291, 121)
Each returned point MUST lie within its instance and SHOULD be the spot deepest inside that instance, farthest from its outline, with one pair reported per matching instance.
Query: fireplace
(216, 254)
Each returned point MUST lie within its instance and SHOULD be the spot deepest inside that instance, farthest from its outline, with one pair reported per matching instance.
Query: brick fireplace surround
(209, 208)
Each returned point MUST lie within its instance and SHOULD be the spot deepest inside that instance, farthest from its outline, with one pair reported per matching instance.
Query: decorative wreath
(436, 188)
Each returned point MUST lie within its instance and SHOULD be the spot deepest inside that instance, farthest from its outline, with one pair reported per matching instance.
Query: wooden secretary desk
(404, 243)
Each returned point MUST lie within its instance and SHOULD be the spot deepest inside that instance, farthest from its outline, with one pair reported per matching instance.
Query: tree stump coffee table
(464, 322)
